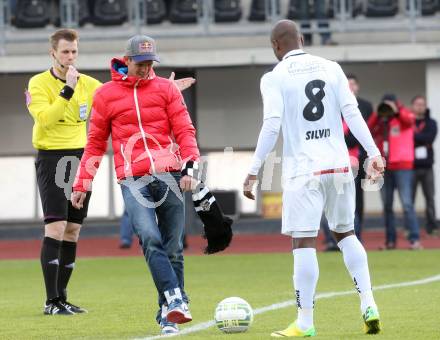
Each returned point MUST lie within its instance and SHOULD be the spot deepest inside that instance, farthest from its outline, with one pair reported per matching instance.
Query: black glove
(217, 226)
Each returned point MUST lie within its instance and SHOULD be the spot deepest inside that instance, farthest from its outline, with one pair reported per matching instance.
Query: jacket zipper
(144, 138)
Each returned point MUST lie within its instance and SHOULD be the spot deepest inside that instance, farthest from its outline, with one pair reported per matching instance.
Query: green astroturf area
(121, 298)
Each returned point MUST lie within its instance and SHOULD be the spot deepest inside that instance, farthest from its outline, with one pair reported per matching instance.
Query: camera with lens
(384, 110)
(388, 106)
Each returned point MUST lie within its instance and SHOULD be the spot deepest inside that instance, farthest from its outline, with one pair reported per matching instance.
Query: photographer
(393, 129)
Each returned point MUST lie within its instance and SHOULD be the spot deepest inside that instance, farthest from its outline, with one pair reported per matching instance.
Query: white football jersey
(308, 93)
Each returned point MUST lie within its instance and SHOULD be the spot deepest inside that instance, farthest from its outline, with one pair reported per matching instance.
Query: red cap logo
(145, 47)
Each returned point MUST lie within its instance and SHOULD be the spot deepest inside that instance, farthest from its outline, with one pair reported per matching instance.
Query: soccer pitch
(121, 298)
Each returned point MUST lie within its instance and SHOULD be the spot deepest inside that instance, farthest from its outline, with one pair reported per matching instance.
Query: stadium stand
(227, 10)
(352, 8)
(40, 13)
(109, 12)
(184, 11)
(156, 11)
(81, 13)
(428, 7)
(32, 13)
(261, 8)
(381, 8)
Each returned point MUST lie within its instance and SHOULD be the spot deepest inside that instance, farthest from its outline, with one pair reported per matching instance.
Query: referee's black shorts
(56, 170)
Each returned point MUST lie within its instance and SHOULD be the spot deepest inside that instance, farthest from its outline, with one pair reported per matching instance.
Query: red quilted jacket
(395, 139)
(149, 124)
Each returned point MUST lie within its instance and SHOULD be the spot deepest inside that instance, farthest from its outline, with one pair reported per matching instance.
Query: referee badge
(83, 111)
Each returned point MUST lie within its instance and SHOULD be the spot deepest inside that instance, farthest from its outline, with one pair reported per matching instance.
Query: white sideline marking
(205, 325)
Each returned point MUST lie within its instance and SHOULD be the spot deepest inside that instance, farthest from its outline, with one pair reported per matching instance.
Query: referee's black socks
(50, 252)
(67, 263)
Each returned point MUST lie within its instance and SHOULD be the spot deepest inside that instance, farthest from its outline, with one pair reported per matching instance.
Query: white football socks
(305, 278)
(355, 259)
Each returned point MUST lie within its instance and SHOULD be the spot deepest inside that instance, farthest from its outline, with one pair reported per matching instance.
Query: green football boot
(294, 331)
(371, 321)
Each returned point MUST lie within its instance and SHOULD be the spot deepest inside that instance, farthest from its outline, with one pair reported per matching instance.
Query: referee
(59, 101)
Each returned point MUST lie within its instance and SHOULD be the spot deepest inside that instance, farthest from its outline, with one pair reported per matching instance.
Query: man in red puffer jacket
(155, 156)
(393, 130)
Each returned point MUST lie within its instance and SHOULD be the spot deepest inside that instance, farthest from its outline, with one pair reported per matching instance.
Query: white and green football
(233, 315)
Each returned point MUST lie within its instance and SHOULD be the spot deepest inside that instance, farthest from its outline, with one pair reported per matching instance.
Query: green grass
(121, 299)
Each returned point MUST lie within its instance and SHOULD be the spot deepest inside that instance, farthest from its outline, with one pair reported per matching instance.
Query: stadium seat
(381, 8)
(156, 11)
(227, 10)
(109, 12)
(293, 10)
(32, 13)
(429, 7)
(258, 9)
(183, 11)
(83, 12)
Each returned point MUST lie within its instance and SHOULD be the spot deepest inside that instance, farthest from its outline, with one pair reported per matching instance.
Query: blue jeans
(125, 230)
(403, 181)
(155, 205)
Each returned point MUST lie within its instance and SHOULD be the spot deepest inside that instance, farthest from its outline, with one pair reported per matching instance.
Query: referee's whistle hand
(72, 76)
(248, 185)
(77, 198)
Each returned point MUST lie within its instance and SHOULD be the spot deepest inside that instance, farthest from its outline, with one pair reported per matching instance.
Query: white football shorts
(306, 197)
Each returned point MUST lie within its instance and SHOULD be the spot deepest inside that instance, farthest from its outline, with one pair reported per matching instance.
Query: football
(233, 315)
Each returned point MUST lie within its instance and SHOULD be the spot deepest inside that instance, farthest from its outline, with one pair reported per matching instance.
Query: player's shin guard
(305, 278)
(355, 259)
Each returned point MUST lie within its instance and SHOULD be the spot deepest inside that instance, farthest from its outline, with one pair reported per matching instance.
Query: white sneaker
(167, 327)
(178, 312)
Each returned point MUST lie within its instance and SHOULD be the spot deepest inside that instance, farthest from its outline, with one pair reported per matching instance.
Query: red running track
(244, 243)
